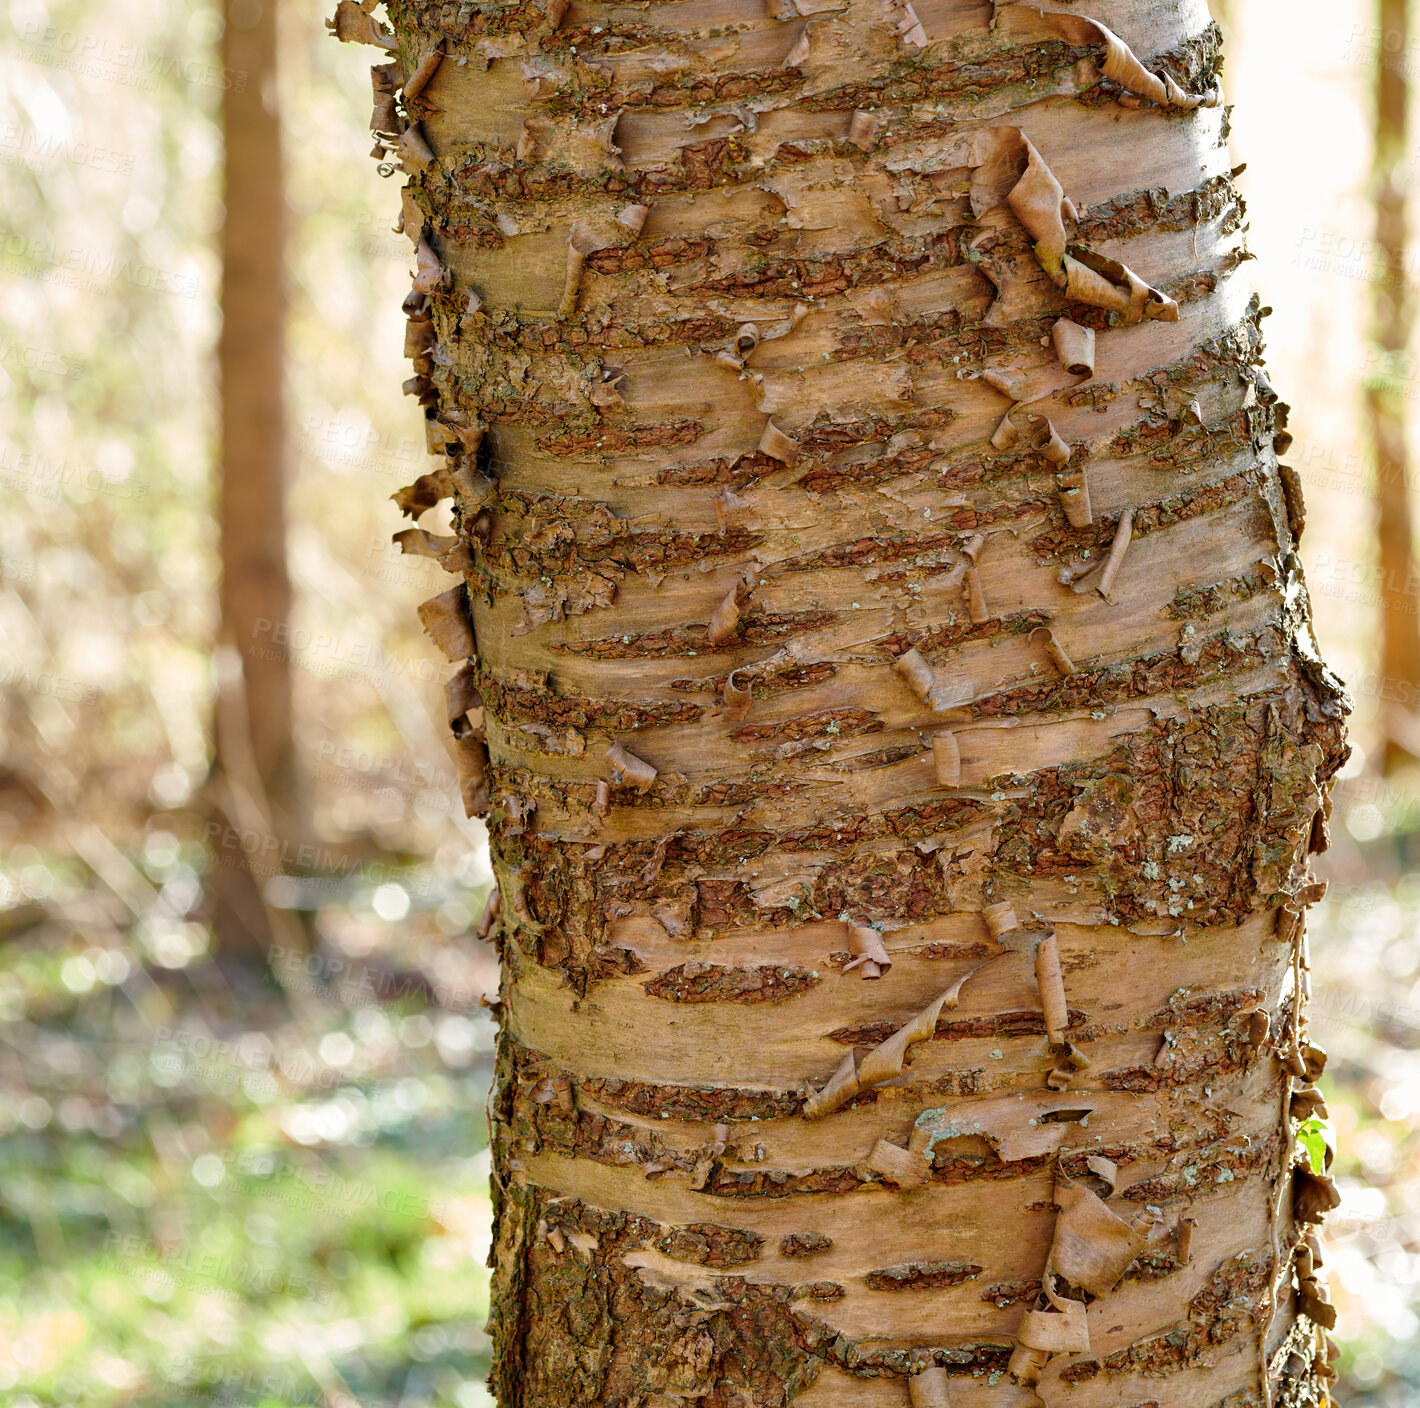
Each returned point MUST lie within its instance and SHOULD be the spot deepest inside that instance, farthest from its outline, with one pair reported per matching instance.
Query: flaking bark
(902, 867)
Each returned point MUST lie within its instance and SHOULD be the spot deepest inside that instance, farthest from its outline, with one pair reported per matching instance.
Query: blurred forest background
(222, 1183)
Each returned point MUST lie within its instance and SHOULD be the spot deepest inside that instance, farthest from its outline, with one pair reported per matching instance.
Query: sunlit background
(219, 1189)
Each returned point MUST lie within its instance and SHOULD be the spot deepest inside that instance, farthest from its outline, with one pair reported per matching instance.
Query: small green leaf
(1311, 1135)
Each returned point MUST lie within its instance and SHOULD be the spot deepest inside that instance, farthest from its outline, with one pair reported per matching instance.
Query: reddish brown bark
(895, 708)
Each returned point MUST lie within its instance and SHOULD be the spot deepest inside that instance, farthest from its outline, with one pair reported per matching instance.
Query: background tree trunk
(255, 759)
(904, 734)
(1385, 405)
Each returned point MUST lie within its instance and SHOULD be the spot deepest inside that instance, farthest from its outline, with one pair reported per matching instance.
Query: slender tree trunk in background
(891, 677)
(255, 749)
(1385, 405)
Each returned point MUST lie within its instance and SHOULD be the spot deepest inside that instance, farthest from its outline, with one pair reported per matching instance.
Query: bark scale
(885, 665)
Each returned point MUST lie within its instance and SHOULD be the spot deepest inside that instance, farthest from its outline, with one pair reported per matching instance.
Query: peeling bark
(905, 739)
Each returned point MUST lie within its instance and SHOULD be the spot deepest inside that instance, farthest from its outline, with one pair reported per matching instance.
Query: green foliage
(1311, 1135)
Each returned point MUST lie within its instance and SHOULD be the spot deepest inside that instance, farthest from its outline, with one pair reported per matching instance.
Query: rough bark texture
(895, 708)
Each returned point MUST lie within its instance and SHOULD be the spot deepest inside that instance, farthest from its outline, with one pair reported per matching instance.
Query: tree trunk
(254, 790)
(895, 695)
(1385, 407)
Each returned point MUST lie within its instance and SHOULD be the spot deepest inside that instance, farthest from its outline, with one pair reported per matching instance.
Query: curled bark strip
(726, 619)
(448, 623)
(572, 288)
(424, 70)
(419, 336)
(975, 597)
(601, 799)
(461, 694)
(428, 270)
(414, 151)
(1007, 380)
(913, 667)
(746, 339)
(946, 754)
(1053, 649)
(1000, 918)
(1106, 283)
(1121, 65)
(1039, 203)
(909, 26)
(1052, 988)
(799, 51)
(862, 128)
(1312, 1298)
(778, 446)
(1069, 1062)
(1075, 346)
(420, 542)
(384, 118)
(929, 1388)
(1074, 490)
(866, 944)
(885, 1061)
(737, 698)
(1005, 436)
(472, 754)
(351, 24)
(1259, 1025)
(426, 491)
(490, 913)
(897, 1166)
(1093, 1246)
(1062, 1329)
(633, 217)
(1313, 1195)
(1050, 443)
(973, 545)
(1105, 1169)
(1117, 549)
(629, 768)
